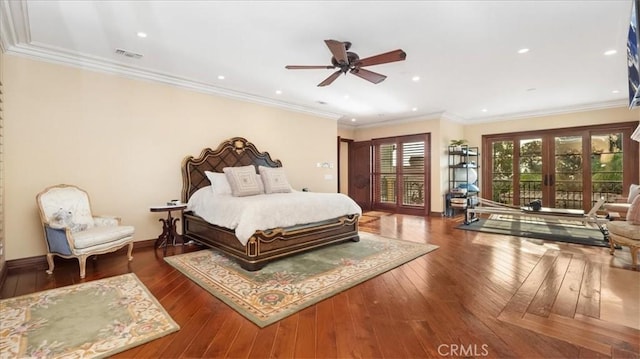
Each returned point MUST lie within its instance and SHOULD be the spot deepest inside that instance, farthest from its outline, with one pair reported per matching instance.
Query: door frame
(630, 163)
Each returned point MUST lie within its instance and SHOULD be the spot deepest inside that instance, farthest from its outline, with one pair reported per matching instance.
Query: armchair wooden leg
(50, 261)
(130, 251)
(612, 245)
(83, 263)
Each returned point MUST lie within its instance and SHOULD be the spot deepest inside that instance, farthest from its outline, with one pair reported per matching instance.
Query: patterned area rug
(288, 285)
(90, 320)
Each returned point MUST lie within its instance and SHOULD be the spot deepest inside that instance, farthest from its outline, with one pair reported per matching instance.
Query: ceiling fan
(346, 61)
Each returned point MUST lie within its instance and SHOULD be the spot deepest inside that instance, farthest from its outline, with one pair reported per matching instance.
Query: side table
(169, 233)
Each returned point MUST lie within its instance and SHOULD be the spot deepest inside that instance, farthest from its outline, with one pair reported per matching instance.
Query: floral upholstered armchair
(72, 231)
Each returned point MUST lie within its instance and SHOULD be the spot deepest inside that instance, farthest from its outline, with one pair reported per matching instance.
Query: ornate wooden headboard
(234, 152)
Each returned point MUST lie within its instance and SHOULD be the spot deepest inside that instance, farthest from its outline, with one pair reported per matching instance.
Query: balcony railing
(565, 198)
(412, 191)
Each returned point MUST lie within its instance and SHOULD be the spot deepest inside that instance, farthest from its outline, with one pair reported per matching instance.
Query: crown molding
(550, 112)
(15, 40)
(60, 56)
(14, 24)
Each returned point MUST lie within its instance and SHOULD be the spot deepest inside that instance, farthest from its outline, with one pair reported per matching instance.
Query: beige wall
(123, 141)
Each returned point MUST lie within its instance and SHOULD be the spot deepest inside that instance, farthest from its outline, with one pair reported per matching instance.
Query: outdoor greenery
(606, 165)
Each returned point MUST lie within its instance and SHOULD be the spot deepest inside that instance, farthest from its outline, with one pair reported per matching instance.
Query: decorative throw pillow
(243, 181)
(64, 219)
(219, 183)
(633, 214)
(274, 180)
(634, 191)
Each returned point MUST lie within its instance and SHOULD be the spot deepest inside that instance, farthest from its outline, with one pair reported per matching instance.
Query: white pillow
(219, 183)
(634, 190)
(274, 180)
(243, 181)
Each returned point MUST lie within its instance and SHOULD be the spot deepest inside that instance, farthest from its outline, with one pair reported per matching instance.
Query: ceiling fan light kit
(347, 61)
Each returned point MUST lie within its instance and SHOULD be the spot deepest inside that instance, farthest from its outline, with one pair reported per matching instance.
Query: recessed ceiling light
(278, 92)
(610, 52)
(415, 78)
(346, 97)
(353, 120)
(523, 51)
(484, 110)
(615, 91)
(220, 77)
(414, 109)
(142, 34)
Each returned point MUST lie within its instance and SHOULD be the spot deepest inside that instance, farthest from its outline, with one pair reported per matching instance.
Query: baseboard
(40, 262)
(3, 274)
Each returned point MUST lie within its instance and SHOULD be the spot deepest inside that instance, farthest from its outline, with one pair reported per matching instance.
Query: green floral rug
(288, 285)
(90, 320)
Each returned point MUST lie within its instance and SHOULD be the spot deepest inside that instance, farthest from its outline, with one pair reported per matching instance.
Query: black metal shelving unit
(463, 179)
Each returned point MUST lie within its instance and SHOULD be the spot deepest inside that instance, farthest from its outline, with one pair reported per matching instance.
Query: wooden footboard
(269, 245)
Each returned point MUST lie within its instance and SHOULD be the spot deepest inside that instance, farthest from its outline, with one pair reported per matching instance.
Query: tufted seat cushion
(99, 235)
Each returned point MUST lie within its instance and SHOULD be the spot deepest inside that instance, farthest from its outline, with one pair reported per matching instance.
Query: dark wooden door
(360, 173)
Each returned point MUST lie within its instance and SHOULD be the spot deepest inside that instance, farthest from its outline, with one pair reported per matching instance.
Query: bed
(263, 245)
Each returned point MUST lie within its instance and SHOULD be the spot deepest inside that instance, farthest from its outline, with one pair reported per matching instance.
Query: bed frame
(264, 246)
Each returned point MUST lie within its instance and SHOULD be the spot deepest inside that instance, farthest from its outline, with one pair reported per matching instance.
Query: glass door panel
(530, 171)
(606, 166)
(567, 180)
(566, 168)
(502, 172)
(385, 173)
(413, 173)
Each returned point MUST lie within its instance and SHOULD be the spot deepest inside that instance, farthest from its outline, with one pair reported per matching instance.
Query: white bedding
(247, 215)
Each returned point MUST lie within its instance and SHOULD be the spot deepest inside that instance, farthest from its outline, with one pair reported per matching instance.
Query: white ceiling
(465, 52)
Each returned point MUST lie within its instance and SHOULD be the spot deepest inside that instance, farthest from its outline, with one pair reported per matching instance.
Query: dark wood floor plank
(242, 345)
(225, 337)
(568, 294)
(204, 337)
(285, 340)
(305, 346)
(519, 303)
(344, 330)
(326, 342)
(366, 344)
(263, 343)
(589, 300)
(548, 290)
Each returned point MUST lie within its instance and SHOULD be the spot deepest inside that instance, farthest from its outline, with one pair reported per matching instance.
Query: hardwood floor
(478, 295)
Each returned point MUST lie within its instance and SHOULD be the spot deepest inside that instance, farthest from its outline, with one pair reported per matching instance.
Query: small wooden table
(169, 233)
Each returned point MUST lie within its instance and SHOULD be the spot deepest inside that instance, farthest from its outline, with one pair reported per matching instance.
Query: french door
(568, 168)
(390, 174)
(399, 174)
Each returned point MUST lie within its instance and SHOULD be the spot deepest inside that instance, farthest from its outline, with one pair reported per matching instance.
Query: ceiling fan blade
(330, 79)
(369, 75)
(338, 50)
(303, 67)
(391, 56)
